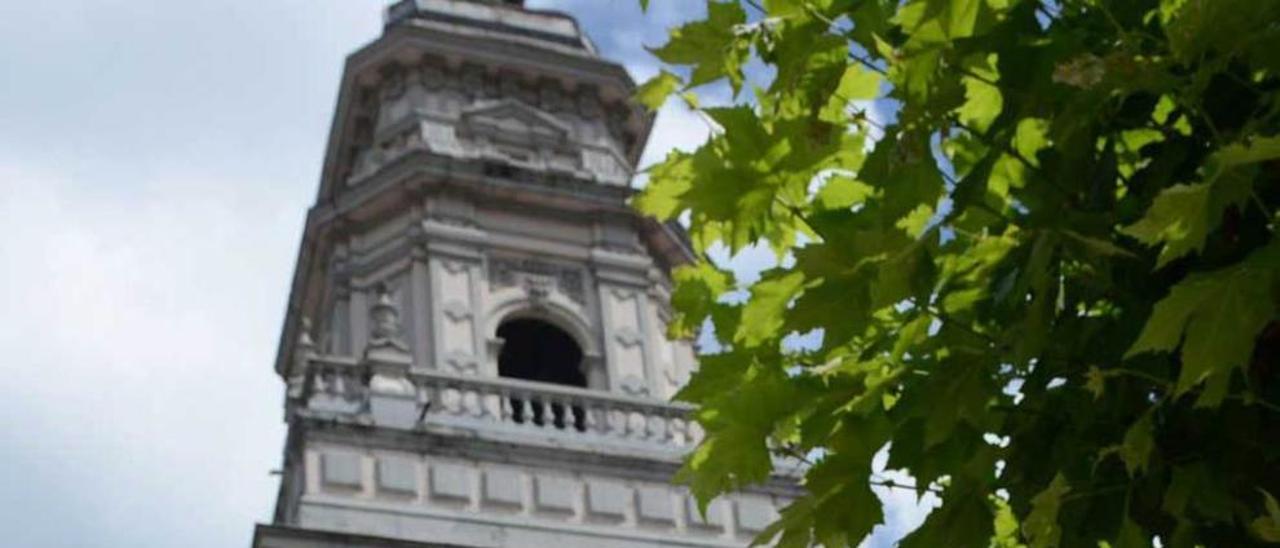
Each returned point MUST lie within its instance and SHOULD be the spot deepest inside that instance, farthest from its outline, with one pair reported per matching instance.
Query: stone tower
(473, 348)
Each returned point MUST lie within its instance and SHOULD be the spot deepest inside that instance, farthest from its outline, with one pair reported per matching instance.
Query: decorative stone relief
(535, 124)
(454, 283)
(459, 362)
(536, 277)
(634, 386)
(628, 337)
(605, 166)
(456, 310)
(626, 342)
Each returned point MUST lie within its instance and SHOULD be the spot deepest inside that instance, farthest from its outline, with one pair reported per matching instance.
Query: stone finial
(303, 351)
(391, 393)
(305, 343)
(386, 337)
(385, 316)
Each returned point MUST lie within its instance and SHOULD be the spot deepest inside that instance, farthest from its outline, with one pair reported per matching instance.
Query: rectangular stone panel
(502, 487)
(754, 514)
(555, 494)
(450, 482)
(397, 475)
(715, 518)
(340, 470)
(607, 499)
(654, 505)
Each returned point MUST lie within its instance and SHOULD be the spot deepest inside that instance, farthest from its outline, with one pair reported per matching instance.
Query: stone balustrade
(340, 386)
(550, 408)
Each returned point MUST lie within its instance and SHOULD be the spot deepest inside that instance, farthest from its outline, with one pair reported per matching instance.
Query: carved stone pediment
(509, 121)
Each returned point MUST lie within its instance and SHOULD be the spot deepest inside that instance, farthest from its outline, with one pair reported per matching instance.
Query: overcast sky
(156, 160)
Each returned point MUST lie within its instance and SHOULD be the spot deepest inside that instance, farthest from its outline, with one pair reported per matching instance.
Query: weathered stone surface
(608, 499)
(715, 518)
(555, 493)
(654, 504)
(478, 173)
(755, 513)
(503, 487)
(341, 470)
(397, 475)
(450, 482)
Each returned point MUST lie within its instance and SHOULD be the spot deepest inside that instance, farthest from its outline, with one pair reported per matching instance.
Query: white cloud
(155, 166)
(140, 332)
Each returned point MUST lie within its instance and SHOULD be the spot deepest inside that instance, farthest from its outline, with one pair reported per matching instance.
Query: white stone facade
(476, 176)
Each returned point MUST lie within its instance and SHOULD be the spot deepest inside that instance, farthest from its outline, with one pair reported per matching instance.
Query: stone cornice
(407, 43)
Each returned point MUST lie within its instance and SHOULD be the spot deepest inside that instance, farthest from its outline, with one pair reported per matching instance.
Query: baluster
(525, 411)
(636, 424)
(492, 401)
(675, 434)
(577, 413)
(472, 403)
(565, 412)
(590, 418)
(337, 383)
(554, 412)
(657, 426)
(506, 411)
(318, 385)
(546, 414)
(618, 422)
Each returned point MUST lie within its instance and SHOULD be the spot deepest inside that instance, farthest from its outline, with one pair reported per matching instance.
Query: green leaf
(698, 288)
(962, 258)
(669, 181)
(654, 92)
(1183, 215)
(1132, 536)
(1096, 382)
(1139, 441)
(982, 101)
(940, 20)
(1267, 527)
(964, 519)
(1041, 525)
(1179, 218)
(903, 170)
(763, 315)
(842, 192)
(856, 84)
(712, 46)
(1218, 312)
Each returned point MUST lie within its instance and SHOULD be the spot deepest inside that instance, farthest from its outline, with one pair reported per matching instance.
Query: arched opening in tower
(535, 350)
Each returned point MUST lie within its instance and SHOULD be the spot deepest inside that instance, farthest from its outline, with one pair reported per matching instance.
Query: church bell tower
(474, 350)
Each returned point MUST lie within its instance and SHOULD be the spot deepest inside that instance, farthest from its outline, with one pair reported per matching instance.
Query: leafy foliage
(1044, 273)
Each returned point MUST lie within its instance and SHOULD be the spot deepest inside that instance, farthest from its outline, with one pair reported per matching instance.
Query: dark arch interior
(538, 351)
(535, 350)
